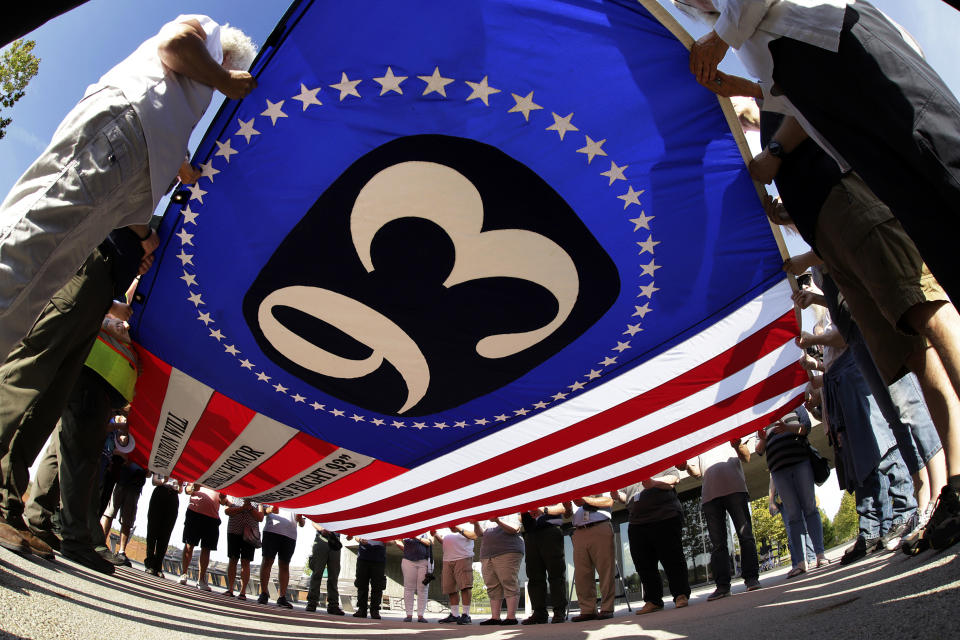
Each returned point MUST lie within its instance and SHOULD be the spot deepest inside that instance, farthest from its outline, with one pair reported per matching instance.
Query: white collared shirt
(168, 104)
(816, 22)
(583, 517)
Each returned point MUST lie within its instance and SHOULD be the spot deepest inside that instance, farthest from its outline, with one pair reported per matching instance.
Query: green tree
(18, 65)
(479, 595)
(846, 524)
(767, 527)
(829, 533)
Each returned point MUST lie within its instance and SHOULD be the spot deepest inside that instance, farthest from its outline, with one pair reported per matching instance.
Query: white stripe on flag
(726, 333)
(334, 466)
(573, 484)
(756, 372)
(258, 441)
(183, 404)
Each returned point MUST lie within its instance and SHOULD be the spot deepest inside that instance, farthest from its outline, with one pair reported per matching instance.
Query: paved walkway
(883, 596)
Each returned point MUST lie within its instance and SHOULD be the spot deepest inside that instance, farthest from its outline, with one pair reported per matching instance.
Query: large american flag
(457, 261)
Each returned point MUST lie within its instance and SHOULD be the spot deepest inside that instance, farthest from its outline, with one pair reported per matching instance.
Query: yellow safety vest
(116, 362)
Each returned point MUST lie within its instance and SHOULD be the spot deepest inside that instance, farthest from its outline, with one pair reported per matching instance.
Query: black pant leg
(551, 546)
(378, 582)
(669, 544)
(536, 566)
(743, 525)
(362, 583)
(715, 513)
(643, 550)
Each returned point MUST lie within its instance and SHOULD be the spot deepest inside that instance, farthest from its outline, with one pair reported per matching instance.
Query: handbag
(821, 466)
(251, 534)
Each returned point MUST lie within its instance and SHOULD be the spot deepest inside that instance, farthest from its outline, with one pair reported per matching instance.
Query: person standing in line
(67, 474)
(788, 458)
(39, 374)
(416, 559)
(161, 517)
(112, 159)
(123, 503)
(724, 491)
(371, 577)
(545, 563)
(279, 541)
(242, 514)
(326, 555)
(501, 550)
(656, 537)
(593, 550)
(457, 571)
(201, 525)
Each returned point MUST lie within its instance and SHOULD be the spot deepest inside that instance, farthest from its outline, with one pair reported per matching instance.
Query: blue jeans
(795, 486)
(904, 408)
(809, 555)
(885, 498)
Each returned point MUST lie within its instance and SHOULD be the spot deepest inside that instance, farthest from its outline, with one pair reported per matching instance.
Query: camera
(429, 577)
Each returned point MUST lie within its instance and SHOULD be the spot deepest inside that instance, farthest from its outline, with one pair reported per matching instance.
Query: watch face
(776, 149)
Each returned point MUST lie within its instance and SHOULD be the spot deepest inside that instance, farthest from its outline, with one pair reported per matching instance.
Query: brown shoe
(37, 546)
(47, 536)
(11, 539)
(648, 607)
(681, 601)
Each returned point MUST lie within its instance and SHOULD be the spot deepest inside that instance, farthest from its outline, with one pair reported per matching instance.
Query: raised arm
(183, 51)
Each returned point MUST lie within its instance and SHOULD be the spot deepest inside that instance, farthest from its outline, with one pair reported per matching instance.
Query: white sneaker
(203, 586)
(183, 578)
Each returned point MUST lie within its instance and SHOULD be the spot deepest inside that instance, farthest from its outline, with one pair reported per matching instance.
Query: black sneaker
(109, 556)
(464, 619)
(375, 614)
(559, 615)
(310, 608)
(449, 619)
(859, 549)
(360, 613)
(124, 560)
(264, 599)
(890, 541)
(335, 611)
(88, 558)
(944, 527)
(719, 592)
(753, 584)
(537, 618)
(283, 602)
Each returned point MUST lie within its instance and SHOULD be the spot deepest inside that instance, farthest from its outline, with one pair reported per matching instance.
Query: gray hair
(238, 49)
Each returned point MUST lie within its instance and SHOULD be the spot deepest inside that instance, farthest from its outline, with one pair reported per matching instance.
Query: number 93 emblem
(434, 270)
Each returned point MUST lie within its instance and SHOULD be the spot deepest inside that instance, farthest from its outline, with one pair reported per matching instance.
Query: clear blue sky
(78, 47)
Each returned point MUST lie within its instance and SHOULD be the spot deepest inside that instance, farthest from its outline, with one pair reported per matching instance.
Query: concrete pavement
(883, 596)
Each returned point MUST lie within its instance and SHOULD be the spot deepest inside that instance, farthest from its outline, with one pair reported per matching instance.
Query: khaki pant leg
(602, 550)
(583, 572)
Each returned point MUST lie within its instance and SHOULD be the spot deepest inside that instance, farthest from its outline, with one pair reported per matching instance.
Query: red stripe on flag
(147, 403)
(613, 483)
(738, 357)
(301, 452)
(784, 380)
(376, 472)
(219, 425)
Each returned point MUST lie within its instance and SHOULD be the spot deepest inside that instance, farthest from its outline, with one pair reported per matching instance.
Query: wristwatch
(776, 149)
